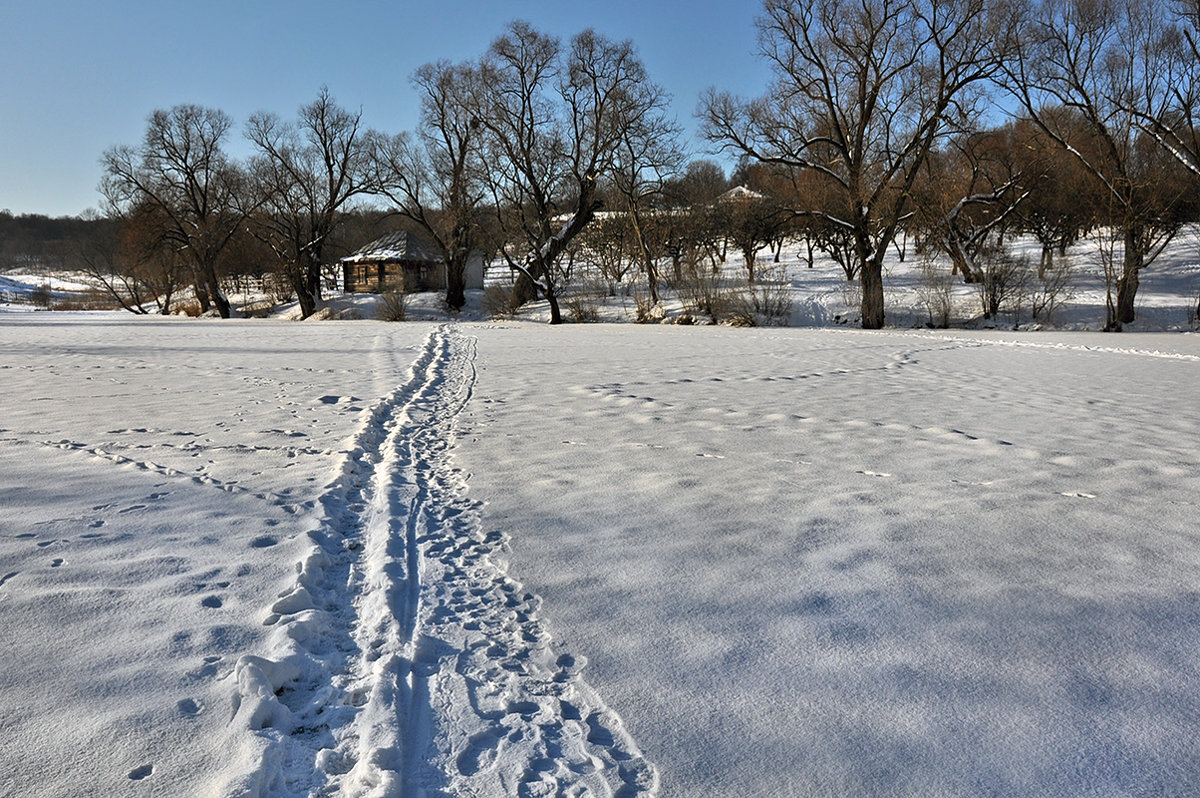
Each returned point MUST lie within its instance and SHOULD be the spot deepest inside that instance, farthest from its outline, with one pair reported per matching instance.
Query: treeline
(38, 240)
(873, 132)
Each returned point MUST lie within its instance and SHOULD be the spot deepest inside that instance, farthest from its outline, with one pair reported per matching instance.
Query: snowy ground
(354, 558)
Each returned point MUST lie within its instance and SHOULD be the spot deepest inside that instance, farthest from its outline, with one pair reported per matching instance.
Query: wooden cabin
(396, 261)
(402, 261)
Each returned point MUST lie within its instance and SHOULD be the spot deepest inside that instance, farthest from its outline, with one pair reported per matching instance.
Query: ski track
(405, 661)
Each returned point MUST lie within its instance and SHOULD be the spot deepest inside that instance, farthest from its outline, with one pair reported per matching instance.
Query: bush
(770, 298)
(1054, 287)
(936, 292)
(704, 292)
(41, 296)
(87, 300)
(499, 302)
(258, 310)
(1002, 286)
(392, 306)
(279, 288)
(582, 309)
(645, 310)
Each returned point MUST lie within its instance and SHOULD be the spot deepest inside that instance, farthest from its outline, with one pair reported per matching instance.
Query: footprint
(189, 707)
(212, 602)
(131, 509)
(263, 542)
(7, 576)
(481, 753)
(1078, 495)
(139, 773)
(57, 562)
(874, 473)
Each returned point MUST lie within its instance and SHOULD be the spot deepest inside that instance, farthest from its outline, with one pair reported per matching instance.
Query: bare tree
(1174, 118)
(864, 89)
(648, 155)
(1089, 75)
(555, 121)
(183, 174)
(434, 177)
(307, 173)
(968, 192)
(133, 261)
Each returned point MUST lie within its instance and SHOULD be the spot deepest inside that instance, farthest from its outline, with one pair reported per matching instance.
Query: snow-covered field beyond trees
(356, 558)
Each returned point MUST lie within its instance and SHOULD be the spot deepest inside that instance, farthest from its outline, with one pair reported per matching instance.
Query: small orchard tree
(1089, 75)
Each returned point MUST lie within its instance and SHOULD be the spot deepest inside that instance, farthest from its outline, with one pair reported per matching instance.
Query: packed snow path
(405, 661)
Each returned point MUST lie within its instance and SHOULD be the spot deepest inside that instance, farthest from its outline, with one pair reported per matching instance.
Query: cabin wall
(373, 277)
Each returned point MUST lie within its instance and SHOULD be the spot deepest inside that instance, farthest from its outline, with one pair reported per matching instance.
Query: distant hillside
(36, 240)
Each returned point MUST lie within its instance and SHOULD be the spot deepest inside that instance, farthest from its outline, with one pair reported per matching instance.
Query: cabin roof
(398, 245)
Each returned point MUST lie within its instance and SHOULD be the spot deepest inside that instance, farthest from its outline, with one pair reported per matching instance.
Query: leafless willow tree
(863, 91)
(183, 175)
(306, 172)
(1091, 75)
(554, 120)
(131, 261)
(434, 178)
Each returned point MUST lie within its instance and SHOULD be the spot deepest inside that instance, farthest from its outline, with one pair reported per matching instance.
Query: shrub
(704, 292)
(279, 288)
(770, 298)
(499, 301)
(188, 307)
(645, 310)
(41, 296)
(582, 309)
(1054, 287)
(1002, 286)
(935, 290)
(392, 306)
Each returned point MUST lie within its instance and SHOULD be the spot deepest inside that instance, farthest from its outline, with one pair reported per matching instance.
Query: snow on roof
(738, 193)
(397, 245)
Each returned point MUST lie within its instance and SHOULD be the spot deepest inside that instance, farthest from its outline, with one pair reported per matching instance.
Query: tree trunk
(871, 275)
(214, 292)
(555, 314)
(1127, 286)
(308, 304)
(647, 255)
(456, 284)
(201, 292)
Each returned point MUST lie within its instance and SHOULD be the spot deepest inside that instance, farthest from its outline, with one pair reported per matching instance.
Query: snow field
(261, 558)
(846, 563)
(156, 478)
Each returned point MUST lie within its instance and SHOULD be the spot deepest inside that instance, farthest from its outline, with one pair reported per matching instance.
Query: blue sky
(80, 76)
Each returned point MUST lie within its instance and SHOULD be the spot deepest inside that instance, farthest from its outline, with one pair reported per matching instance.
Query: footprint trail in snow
(406, 661)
